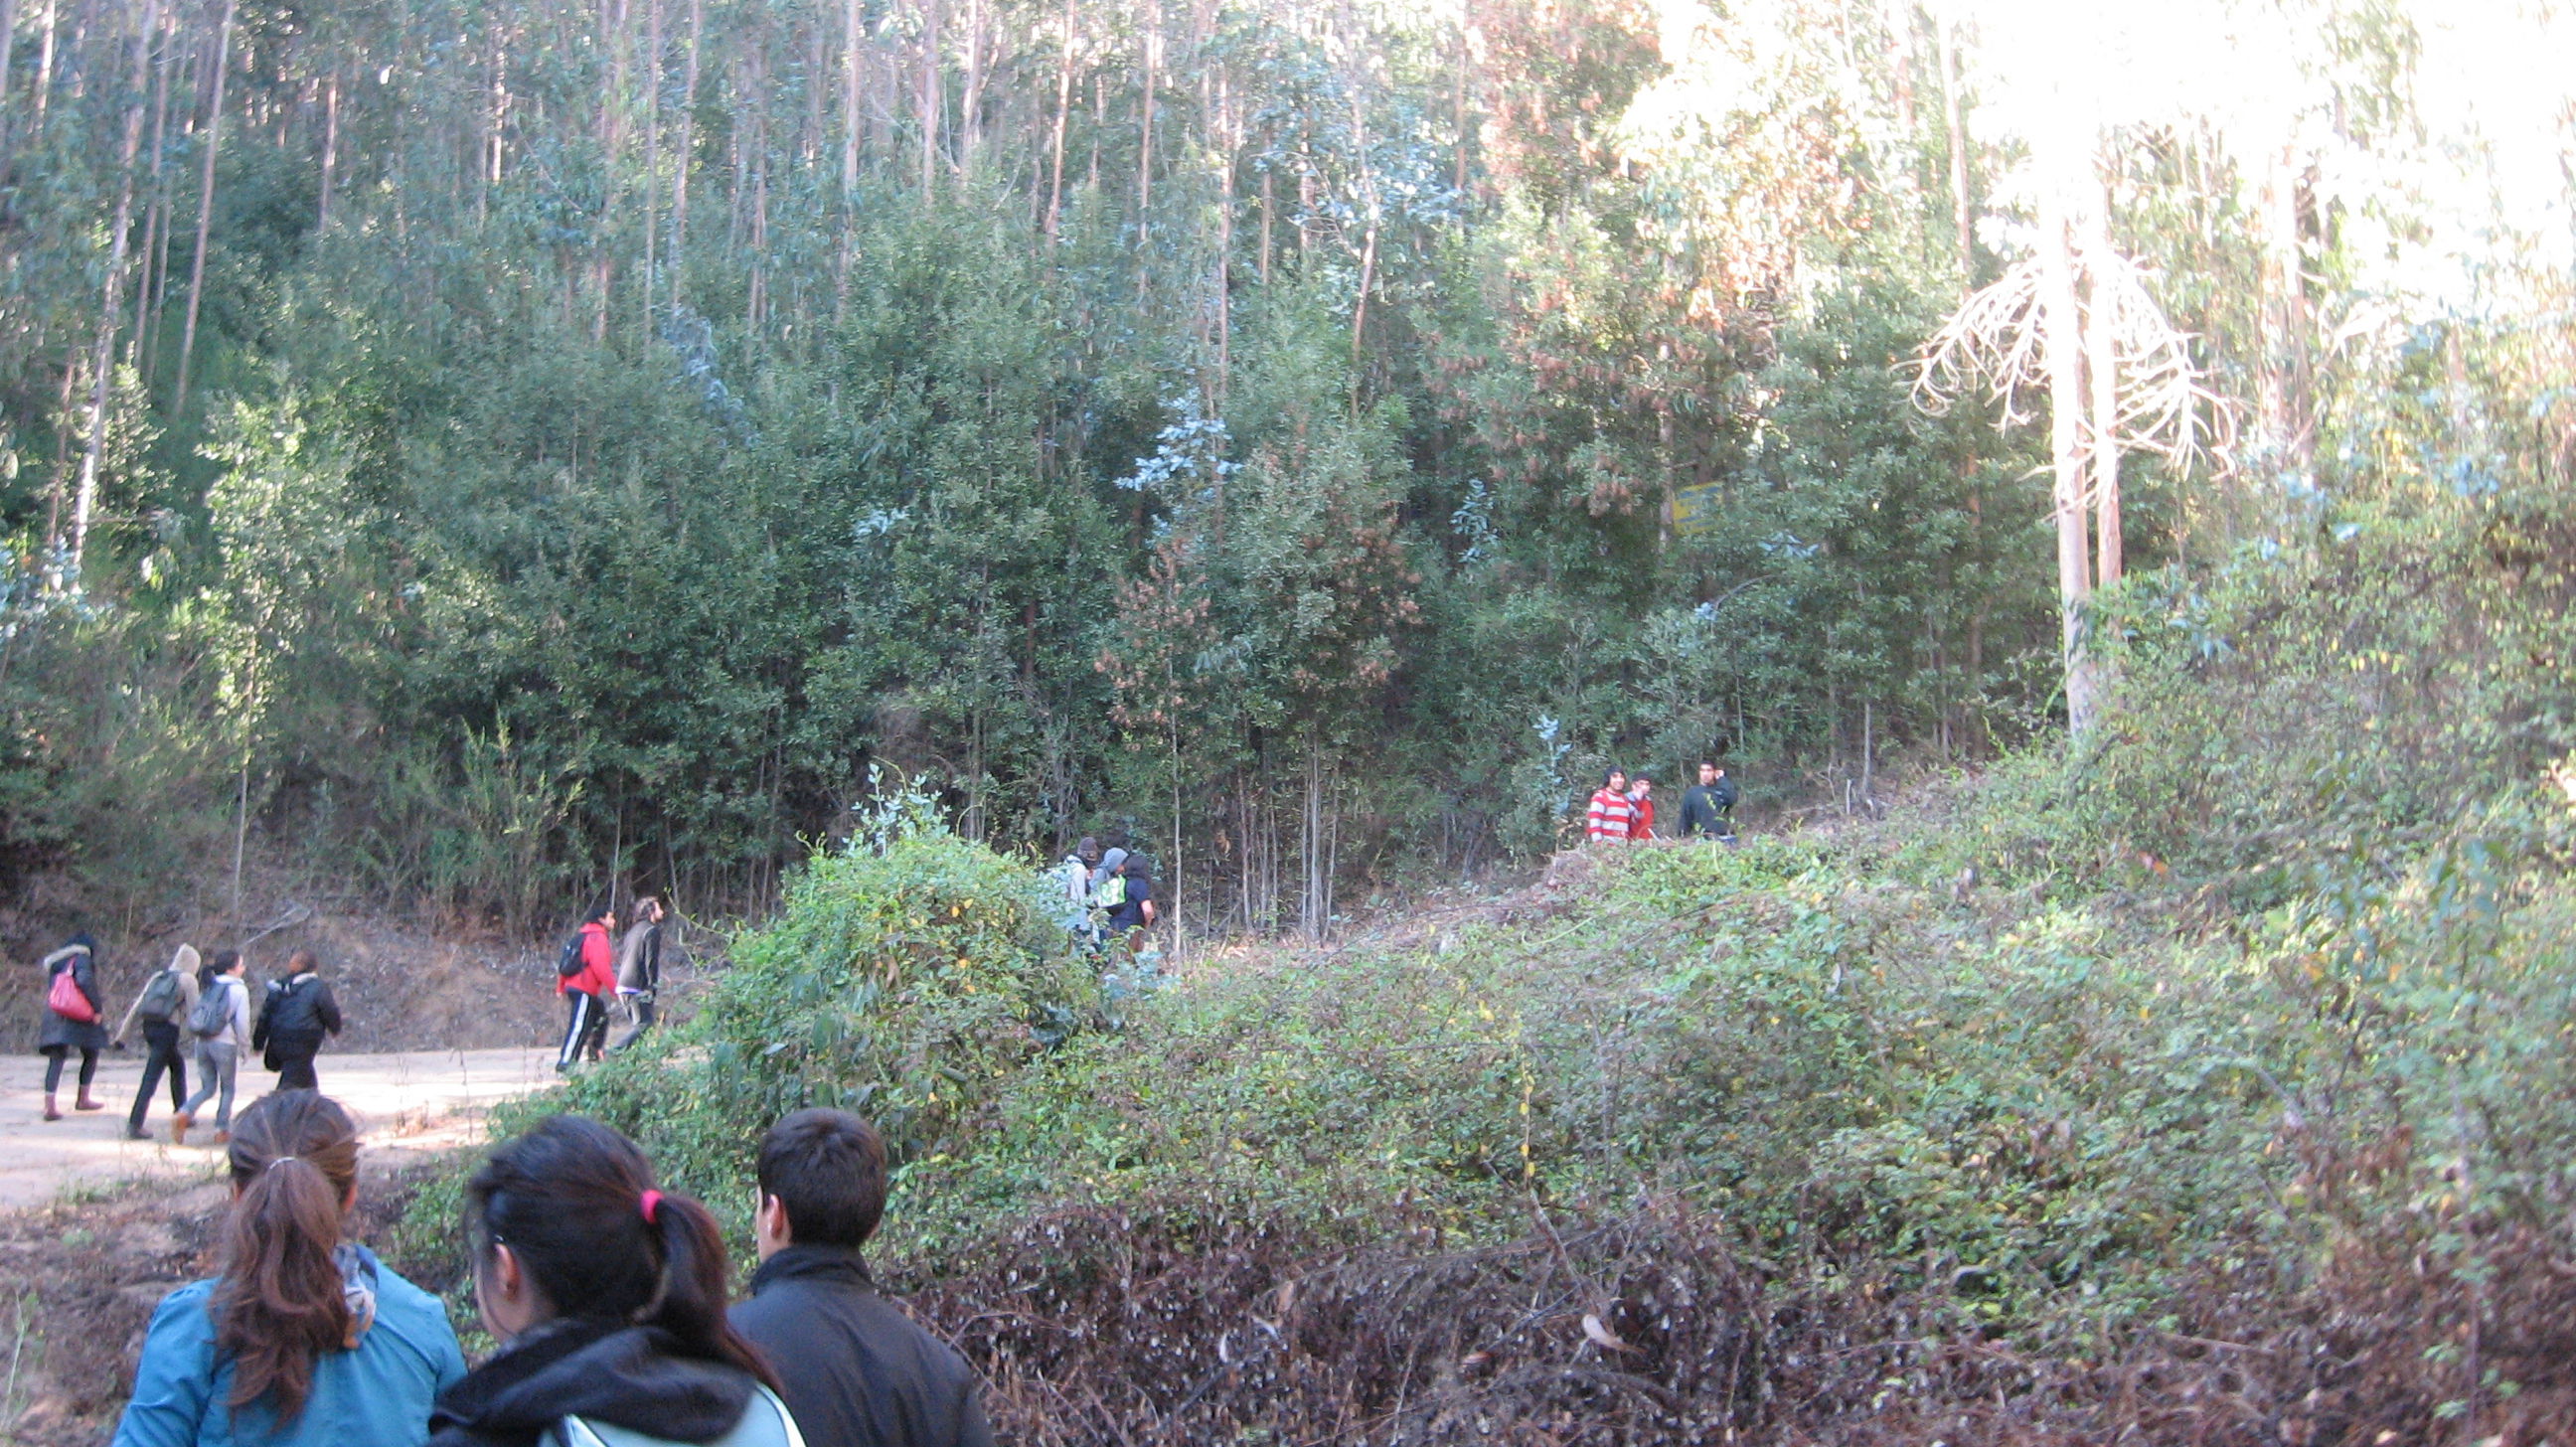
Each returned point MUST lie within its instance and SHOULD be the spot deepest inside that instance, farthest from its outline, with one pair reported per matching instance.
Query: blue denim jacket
(377, 1394)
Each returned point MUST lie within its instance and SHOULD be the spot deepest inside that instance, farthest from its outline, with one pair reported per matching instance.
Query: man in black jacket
(857, 1372)
(299, 1011)
(1708, 808)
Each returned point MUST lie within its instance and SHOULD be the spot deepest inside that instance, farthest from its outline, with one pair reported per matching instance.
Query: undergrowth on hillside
(2028, 1104)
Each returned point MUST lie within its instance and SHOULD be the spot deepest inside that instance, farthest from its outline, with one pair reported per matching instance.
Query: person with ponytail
(306, 1340)
(609, 1298)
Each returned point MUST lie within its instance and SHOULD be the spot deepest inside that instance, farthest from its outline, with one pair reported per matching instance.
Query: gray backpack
(214, 1013)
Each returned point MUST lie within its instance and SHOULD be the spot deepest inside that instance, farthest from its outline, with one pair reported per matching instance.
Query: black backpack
(568, 964)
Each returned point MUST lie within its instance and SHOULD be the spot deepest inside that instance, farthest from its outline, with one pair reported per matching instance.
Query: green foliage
(911, 978)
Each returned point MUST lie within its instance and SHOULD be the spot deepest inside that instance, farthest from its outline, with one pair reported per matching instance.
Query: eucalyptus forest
(2101, 477)
(472, 444)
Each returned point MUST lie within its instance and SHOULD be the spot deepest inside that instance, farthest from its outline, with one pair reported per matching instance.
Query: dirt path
(410, 1103)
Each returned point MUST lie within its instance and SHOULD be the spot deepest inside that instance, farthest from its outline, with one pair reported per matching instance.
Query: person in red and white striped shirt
(1611, 813)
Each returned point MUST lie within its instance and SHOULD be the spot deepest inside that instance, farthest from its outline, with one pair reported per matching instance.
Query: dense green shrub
(909, 978)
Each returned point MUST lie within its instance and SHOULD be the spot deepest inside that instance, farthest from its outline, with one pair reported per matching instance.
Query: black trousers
(161, 1052)
(293, 1060)
(54, 1067)
(585, 1027)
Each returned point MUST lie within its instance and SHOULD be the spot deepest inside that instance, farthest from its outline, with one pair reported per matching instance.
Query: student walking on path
(609, 1300)
(163, 1004)
(1606, 822)
(855, 1370)
(299, 1012)
(639, 967)
(220, 1022)
(72, 1020)
(306, 1339)
(585, 988)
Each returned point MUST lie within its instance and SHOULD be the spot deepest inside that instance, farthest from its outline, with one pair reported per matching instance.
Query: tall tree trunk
(8, 48)
(2281, 380)
(1153, 42)
(1063, 107)
(1955, 113)
(330, 149)
(112, 303)
(2102, 368)
(652, 162)
(853, 40)
(934, 97)
(44, 93)
(686, 161)
(214, 140)
(156, 216)
(2062, 348)
(1310, 904)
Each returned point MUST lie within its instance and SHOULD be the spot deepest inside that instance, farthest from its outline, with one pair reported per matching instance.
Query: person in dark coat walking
(77, 1029)
(639, 967)
(855, 1370)
(162, 1004)
(299, 1011)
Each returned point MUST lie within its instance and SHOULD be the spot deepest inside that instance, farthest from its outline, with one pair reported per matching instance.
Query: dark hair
(1612, 772)
(300, 961)
(278, 1305)
(602, 910)
(828, 1168)
(219, 963)
(570, 1199)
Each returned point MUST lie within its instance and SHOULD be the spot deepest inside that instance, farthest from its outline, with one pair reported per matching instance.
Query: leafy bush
(909, 978)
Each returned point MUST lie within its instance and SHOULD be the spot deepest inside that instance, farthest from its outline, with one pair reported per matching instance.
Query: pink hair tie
(652, 1205)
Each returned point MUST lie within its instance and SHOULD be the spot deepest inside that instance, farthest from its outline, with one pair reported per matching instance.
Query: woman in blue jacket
(306, 1340)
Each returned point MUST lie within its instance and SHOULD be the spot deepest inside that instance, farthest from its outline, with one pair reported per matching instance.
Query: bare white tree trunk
(2102, 368)
(2061, 343)
(111, 305)
(205, 205)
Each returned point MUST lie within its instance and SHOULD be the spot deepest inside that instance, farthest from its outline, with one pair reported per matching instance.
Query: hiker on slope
(1606, 822)
(297, 1013)
(163, 1004)
(71, 1020)
(220, 1022)
(583, 979)
(1708, 807)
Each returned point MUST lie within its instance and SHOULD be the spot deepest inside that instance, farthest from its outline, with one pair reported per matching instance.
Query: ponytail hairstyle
(575, 1201)
(278, 1306)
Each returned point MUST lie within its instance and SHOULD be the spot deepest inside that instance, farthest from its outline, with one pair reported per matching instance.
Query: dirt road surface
(404, 1103)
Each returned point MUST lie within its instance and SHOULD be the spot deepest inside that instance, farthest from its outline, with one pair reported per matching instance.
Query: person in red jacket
(586, 990)
(1641, 806)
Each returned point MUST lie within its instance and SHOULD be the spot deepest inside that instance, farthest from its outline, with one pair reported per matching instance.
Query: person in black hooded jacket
(857, 1372)
(609, 1297)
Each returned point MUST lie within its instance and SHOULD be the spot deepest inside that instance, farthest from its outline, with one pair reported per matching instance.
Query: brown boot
(50, 1112)
(179, 1128)
(85, 1103)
